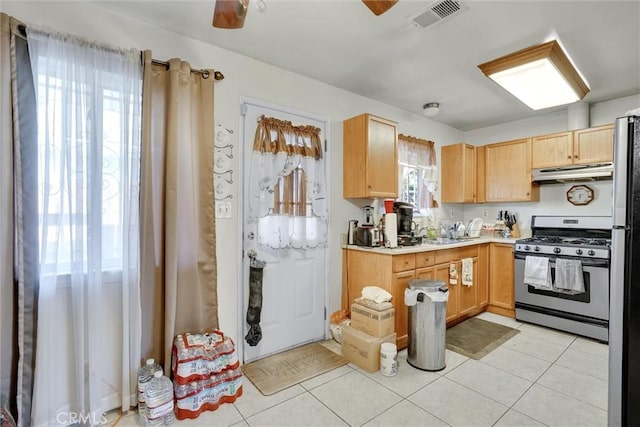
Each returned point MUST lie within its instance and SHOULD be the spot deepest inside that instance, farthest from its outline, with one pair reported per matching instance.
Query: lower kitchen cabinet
(501, 277)
(395, 272)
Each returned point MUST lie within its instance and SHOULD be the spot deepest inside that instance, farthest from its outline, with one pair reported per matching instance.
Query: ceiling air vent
(437, 12)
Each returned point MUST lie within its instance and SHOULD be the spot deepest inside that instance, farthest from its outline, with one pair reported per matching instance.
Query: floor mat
(282, 370)
(475, 338)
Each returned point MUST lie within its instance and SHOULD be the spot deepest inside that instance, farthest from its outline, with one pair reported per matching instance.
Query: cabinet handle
(568, 157)
(575, 157)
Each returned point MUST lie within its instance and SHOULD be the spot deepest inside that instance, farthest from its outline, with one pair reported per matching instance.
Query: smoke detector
(437, 12)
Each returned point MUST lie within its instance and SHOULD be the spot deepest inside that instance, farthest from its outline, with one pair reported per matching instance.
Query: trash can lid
(427, 285)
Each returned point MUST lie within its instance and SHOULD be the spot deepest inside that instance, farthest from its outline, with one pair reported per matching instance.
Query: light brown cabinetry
(593, 145)
(552, 150)
(501, 276)
(462, 173)
(370, 157)
(394, 273)
(584, 146)
(508, 172)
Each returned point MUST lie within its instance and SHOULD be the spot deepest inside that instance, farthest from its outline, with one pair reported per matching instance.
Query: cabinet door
(501, 291)
(480, 187)
(400, 283)
(483, 275)
(508, 172)
(441, 272)
(382, 158)
(593, 145)
(552, 150)
(458, 165)
(468, 295)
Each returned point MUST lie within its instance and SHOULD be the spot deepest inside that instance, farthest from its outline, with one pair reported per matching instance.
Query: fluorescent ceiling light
(540, 76)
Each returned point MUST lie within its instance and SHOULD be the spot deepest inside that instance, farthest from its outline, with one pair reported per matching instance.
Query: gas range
(583, 237)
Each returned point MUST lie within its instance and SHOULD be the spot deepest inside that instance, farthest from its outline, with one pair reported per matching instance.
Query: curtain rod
(205, 74)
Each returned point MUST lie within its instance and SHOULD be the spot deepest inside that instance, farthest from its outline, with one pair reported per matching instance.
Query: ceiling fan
(230, 14)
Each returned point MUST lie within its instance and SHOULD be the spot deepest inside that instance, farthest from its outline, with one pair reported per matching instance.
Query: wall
(244, 77)
(552, 197)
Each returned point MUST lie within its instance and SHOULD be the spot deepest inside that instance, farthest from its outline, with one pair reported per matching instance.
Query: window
(88, 157)
(418, 174)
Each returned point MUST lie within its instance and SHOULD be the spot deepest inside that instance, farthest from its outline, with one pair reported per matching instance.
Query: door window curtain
(287, 185)
(89, 100)
(19, 273)
(418, 175)
(179, 270)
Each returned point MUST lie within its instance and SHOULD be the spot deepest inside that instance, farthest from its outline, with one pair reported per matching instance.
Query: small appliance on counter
(404, 211)
(367, 234)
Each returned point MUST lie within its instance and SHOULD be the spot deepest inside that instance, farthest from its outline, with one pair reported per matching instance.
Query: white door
(294, 280)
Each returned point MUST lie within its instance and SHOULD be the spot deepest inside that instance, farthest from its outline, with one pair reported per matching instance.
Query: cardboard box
(362, 349)
(376, 323)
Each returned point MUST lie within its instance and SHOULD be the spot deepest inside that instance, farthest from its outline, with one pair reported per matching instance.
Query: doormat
(475, 338)
(282, 370)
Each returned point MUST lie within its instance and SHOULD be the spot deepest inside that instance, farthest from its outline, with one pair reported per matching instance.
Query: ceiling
(386, 58)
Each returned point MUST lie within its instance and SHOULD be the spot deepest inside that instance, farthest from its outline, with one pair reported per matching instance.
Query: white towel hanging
(467, 271)
(569, 276)
(537, 272)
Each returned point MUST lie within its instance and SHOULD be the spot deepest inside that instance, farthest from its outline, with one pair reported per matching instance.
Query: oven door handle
(587, 262)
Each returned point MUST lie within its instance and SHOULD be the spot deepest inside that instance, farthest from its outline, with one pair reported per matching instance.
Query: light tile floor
(539, 377)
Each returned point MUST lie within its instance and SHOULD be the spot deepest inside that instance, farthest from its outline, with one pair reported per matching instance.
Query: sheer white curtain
(418, 176)
(88, 100)
(287, 185)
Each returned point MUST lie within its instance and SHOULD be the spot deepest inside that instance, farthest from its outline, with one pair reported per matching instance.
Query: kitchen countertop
(426, 247)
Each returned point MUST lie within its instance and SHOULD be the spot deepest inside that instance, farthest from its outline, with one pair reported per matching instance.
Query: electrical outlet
(223, 209)
(485, 213)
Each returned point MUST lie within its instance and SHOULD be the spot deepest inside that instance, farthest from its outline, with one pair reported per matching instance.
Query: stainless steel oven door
(594, 302)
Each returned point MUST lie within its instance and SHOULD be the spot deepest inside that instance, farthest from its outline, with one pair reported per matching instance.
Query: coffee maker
(404, 211)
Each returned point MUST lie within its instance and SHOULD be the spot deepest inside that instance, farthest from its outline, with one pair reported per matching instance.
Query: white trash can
(427, 302)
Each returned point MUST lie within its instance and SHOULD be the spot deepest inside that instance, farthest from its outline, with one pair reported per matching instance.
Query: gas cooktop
(556, 240)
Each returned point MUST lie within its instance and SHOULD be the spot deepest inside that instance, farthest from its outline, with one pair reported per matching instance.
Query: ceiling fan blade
(378, 7)
(230, 14)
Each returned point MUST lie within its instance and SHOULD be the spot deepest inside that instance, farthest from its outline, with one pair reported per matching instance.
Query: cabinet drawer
(425, 259)
(404, 262)
(448, 255)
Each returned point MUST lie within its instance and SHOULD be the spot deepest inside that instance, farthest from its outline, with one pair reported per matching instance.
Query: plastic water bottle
(145, 374)
(159, 400)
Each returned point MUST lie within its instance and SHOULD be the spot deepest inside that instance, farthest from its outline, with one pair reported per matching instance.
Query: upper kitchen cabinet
(508, 172)
(585, 146)
(593, 145)
(552, 150)
(462, 168)
(370, 157)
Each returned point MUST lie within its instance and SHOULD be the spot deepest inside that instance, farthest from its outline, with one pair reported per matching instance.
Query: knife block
(515, 231)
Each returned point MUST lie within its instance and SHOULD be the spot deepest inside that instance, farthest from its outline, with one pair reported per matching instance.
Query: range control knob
(591, 252)
(536, 248)
(527, 248)
(578, 251)
(557, 250)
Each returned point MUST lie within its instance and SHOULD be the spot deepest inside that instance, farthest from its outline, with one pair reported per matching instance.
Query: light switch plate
(223, 209)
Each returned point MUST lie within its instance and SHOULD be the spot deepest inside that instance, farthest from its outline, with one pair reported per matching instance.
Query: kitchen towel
(467, 271)
(453, 274)
(569, 276)
(537, 272)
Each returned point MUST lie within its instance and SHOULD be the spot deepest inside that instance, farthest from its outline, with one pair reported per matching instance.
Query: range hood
(592, 172)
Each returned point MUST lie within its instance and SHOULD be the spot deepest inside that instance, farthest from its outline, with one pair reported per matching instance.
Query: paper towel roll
(391, 230)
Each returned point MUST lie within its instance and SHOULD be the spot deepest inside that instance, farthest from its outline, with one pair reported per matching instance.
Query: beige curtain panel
(178, 258)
